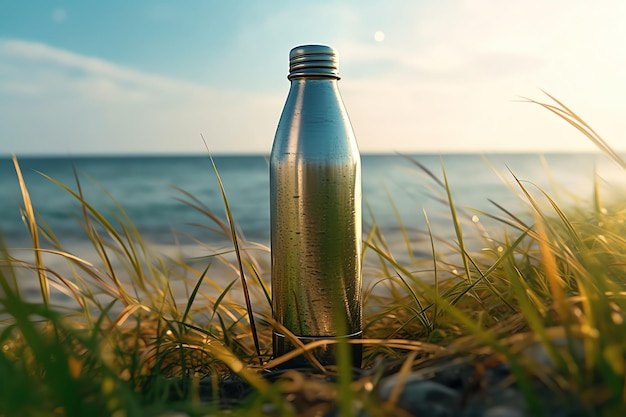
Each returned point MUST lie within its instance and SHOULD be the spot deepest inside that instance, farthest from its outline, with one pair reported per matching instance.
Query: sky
(144, 77)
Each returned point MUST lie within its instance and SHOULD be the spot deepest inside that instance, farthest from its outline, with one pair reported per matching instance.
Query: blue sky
(137, 76)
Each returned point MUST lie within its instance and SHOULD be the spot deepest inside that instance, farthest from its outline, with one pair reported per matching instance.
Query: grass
(124, 342)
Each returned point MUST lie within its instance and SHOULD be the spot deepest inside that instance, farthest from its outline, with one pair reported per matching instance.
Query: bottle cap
(313, 60)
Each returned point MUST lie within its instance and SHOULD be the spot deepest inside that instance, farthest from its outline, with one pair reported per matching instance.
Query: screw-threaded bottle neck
(313, 60)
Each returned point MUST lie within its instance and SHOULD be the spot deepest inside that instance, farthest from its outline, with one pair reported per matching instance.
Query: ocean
(148, 188)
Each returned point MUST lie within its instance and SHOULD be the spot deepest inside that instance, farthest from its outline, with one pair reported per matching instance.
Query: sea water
(165, 196)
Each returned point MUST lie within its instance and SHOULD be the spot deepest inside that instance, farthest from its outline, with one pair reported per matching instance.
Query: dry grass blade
(34, 233)
(457, 227)
(519, 224)
(199, 206)
(420, 312)
(428, 172)
(435, 270)
(403, 230)
(8, 286)
(299, 349)
(548, 261)
(402, 377)
(549, 288)
(194, 293)
(449, 307)
(235, 241)
(260, 282)
(573, 119)
(402, 344)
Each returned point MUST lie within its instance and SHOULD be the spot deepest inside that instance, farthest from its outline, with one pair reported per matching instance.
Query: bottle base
(326, 354)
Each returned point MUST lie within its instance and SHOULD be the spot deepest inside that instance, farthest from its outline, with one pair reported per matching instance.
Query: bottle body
(315, 202)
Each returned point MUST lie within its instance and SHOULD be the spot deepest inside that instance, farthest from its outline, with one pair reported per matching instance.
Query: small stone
(581, 412)
(421, 397)
(504, 411)
(386, 385)
(538, 353)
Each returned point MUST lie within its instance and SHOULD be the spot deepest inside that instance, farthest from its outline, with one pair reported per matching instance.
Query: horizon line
(267, 154)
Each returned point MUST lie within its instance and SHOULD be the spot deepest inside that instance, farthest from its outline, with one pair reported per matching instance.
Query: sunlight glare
(379, 36)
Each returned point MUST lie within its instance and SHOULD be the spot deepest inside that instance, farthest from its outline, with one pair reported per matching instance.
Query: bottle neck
(298, 80)
(318, 61)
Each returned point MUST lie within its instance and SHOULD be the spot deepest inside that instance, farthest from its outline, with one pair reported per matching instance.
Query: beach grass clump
(138, 332)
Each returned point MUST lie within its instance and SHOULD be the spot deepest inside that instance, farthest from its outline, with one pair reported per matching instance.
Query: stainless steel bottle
(315, 186)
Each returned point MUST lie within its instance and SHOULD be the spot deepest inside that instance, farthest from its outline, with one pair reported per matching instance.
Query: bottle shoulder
(314, 121)
(314, 104)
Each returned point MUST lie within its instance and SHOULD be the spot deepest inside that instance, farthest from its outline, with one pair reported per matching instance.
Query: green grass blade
(457, 227)
(194, 293)
(219, 299)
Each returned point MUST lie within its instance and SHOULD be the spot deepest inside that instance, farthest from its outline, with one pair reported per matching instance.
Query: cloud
(452, 79)
(59, 15)
(43, 59)
(57, 101)
(447, 77)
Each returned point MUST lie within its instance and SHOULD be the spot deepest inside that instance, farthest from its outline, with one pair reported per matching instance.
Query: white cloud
(446, 78)
(59, 15)
(451, 81)
(57, 101)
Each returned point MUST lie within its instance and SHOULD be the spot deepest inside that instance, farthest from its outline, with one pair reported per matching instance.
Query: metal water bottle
(315, 186)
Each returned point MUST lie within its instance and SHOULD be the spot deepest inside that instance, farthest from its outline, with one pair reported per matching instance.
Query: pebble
(504, 411)
(538, 353)
(481, 386)
(422, 397)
